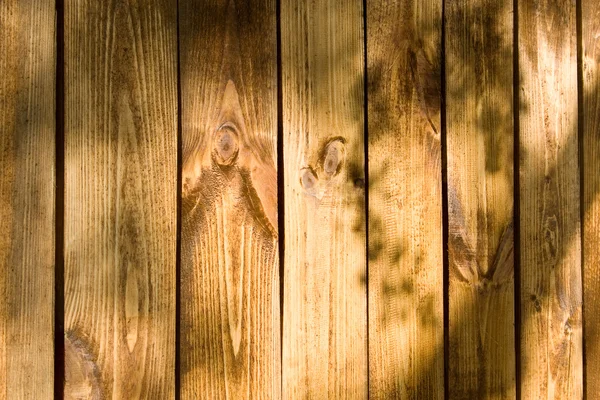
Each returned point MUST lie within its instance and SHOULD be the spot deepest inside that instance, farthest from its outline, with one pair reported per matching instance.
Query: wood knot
(308, 179)
(568, 328)
(333, 156)
(536, 303)
(315, 179)
(226, 145)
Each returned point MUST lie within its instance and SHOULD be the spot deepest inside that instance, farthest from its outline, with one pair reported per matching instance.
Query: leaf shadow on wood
(403, 90)
(322, 101)
(500, 123)
(377, 245)
(480, 190)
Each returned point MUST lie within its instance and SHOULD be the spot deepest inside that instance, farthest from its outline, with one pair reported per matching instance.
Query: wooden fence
(206, 199)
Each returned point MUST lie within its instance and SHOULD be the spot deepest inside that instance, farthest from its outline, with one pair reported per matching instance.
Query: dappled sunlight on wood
(551, 295)
(230, 302)
(405, 200)
(324, 315)
(285, 199)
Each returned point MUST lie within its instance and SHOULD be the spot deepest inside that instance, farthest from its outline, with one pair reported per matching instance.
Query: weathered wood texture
(324, 316)
(591, 186)
(27, 122)
(479, 110)
(551, 295)
(230, 322)
(406, 349)
(120, 198)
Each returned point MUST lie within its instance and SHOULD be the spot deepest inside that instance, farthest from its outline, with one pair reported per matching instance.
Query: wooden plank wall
(381, 199)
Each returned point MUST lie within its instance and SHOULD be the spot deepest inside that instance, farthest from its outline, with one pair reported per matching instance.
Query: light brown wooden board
(324, 316)
(591, 186)
(550, 247)
(120, 198)
(406, 332)
(230, 321)
(27, 179)
(479, 110)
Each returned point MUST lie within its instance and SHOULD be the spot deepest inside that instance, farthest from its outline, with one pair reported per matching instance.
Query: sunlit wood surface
(277, 199)
(551, 354)
(27, 179)
(120, 199)
(324, 291)
(230, 310)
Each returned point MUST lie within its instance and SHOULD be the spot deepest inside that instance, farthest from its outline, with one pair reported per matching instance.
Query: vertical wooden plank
(230, 323)
(551, 332)
(27, 151)
(120, 198)
(590, 13)
(325, 331)
(479, 81)
(406, 332)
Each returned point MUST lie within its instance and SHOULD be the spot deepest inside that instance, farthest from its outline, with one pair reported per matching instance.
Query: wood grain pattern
(406, 349)
(551, 326)
(27, 179)
(325, 331)
(479, 109)
(591, 186)
(230, 322)
(120, 198)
